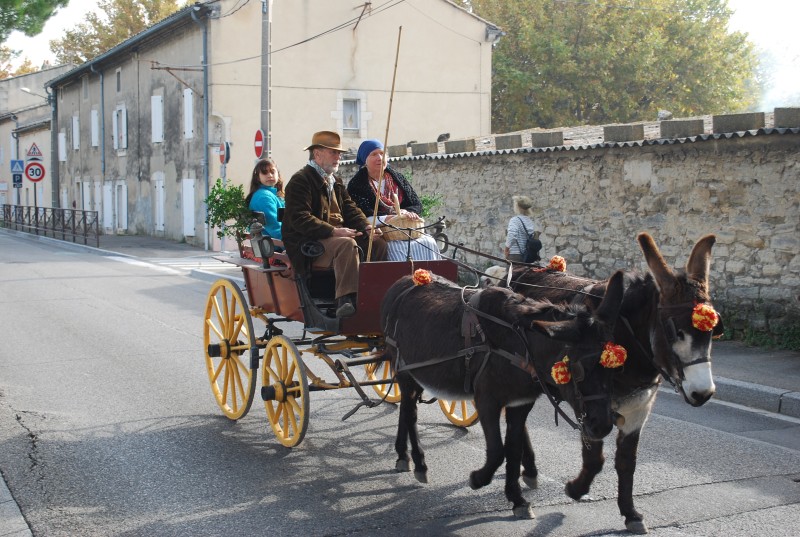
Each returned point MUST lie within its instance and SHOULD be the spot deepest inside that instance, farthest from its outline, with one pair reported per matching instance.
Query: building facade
(140, 128)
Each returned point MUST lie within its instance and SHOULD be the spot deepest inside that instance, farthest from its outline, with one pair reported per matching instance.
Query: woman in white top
(519, 227)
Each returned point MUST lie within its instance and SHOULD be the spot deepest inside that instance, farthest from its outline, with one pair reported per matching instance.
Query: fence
(63, 224)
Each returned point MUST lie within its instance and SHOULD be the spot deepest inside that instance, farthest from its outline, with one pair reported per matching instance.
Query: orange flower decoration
(560, 371)
(422, 277)
(704, 317)
(557, 263)
(613, 355)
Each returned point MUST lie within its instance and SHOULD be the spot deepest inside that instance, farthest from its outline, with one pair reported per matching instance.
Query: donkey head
(681, 339)
(584, 377)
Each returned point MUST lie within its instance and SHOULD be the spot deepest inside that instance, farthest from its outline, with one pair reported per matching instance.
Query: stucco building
(139, 128)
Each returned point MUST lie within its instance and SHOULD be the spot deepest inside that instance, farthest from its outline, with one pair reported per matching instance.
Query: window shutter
(157, 118)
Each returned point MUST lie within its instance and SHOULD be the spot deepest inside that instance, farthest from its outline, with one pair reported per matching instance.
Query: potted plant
(228, 212)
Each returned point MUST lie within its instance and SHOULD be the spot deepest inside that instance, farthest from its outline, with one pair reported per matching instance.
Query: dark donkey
(498, 348)
(666, 325)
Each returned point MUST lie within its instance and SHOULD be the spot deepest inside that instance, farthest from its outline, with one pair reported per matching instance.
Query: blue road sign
(17, 177)
(17, 166)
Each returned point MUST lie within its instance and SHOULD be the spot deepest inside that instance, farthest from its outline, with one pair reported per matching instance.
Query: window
(95, 117)
(119, 80)
(351, 116)
(188, 117)
(157, 118)
(85, 86)
(119, 125)
(76, 133)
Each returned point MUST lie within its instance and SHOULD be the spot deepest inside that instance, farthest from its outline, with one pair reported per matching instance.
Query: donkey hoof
(401, 466)
(569, 490)
(524, 511)
(422, 477)
(473, 482)
(637, 526)
(531, 482)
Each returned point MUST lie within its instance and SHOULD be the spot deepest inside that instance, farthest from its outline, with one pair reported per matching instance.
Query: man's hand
(378, 231)
(345, 232)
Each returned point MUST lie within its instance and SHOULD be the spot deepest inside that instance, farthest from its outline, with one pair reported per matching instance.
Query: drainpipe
(204, 160)
(55, 185)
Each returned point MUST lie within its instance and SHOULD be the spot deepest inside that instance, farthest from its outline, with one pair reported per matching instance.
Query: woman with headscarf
(363, 189)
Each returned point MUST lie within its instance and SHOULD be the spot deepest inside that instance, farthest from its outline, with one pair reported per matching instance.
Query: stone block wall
(591, 203)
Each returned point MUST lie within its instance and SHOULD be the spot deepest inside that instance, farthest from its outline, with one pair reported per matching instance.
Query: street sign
(224, 152)
(34, 151)
(259, 143)
(17, 178)
(34, 171)
(17, 166)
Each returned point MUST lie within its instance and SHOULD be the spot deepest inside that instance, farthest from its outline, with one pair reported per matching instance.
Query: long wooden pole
(385, 147)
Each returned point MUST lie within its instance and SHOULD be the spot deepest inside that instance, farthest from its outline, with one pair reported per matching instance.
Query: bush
(227, 210)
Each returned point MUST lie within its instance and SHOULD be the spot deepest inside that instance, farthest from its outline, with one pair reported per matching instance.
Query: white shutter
(122, 206)
(123, 127)
(62, 146)
(108, 205)
(115, 129)
(95, 128)
(76, 132)
(188, 117)
(188, 207)
(157, 118)
(158, 185)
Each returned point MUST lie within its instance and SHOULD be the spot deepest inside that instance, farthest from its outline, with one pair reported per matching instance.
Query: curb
(776, 400)
(12, 522)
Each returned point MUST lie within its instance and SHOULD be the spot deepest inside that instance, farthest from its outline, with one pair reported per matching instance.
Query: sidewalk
(750, 376)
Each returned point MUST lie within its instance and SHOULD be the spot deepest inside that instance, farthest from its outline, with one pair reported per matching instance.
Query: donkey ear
(608, 311)
(662, 273)
(559, 330)
(699, 262)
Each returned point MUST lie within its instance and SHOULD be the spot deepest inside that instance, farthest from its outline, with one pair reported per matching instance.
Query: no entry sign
(34, 171)
(259, 143)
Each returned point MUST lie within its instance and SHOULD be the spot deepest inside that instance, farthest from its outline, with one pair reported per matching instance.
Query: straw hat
(523, 202)
(326, 139)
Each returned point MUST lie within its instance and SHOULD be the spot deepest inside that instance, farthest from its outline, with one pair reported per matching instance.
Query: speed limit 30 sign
(34, 171)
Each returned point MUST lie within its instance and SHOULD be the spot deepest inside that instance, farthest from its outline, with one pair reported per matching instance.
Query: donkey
(658, 327)
(429, 331)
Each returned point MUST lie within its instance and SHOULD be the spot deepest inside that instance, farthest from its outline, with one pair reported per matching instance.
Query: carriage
(237, 353)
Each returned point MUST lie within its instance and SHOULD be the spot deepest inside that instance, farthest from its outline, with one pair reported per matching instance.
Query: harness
(471, 329)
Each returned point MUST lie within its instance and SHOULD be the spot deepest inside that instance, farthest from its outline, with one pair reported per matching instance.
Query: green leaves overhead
(564, 62)
(26, 16)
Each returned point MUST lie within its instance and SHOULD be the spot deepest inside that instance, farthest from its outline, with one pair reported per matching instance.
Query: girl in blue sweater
(266, 195)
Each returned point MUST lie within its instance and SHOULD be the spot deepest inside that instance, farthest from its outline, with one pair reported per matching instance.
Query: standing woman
(266, 195)
(519, 227)
(363, 188)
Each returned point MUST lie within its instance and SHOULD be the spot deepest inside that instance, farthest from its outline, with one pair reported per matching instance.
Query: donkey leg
(489, 416)
(516, 434)
(407, 429)
(530, 474)
(625, 464)
(593, 459)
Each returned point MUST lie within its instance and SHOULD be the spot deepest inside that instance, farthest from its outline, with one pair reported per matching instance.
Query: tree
(6, 70)
(26, 16)
(568, 61)
(119, 20)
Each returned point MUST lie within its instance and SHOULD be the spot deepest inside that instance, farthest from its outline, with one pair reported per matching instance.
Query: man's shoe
(346, 307)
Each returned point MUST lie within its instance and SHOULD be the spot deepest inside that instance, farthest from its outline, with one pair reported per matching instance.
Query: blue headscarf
(367, 147)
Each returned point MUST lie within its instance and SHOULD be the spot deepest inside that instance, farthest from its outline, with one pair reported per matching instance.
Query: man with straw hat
(318, 208)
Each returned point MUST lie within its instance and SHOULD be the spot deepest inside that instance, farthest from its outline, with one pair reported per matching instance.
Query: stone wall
(591, 201)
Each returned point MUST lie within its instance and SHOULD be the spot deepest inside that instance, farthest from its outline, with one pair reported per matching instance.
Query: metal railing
(63, 224)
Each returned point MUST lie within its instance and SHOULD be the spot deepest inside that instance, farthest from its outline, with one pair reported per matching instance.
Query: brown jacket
(308, 211)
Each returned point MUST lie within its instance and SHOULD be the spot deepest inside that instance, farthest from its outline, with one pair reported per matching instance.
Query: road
(108, 427)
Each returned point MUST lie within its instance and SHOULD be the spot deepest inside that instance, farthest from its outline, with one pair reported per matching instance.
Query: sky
(770, 23)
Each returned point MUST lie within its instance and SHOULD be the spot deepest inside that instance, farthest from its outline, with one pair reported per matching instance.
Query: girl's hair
(255, 182)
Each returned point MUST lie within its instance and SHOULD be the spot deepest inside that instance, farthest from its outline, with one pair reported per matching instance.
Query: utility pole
(266, 66)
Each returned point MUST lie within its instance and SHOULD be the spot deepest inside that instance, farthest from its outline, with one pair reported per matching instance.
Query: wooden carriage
(236, 353)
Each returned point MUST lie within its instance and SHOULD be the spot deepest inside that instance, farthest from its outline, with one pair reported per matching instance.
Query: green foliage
(568, 62)
(787, 337)
(429, 203)
(26, 16)
(120, 20)
(227, 210)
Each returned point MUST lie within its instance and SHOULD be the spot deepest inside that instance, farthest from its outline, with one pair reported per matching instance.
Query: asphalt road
(108, 427)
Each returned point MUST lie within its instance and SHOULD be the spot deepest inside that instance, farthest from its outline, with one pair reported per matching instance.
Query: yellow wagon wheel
(460, 413)
(230, 347)
(285, 390)
(383, 371)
